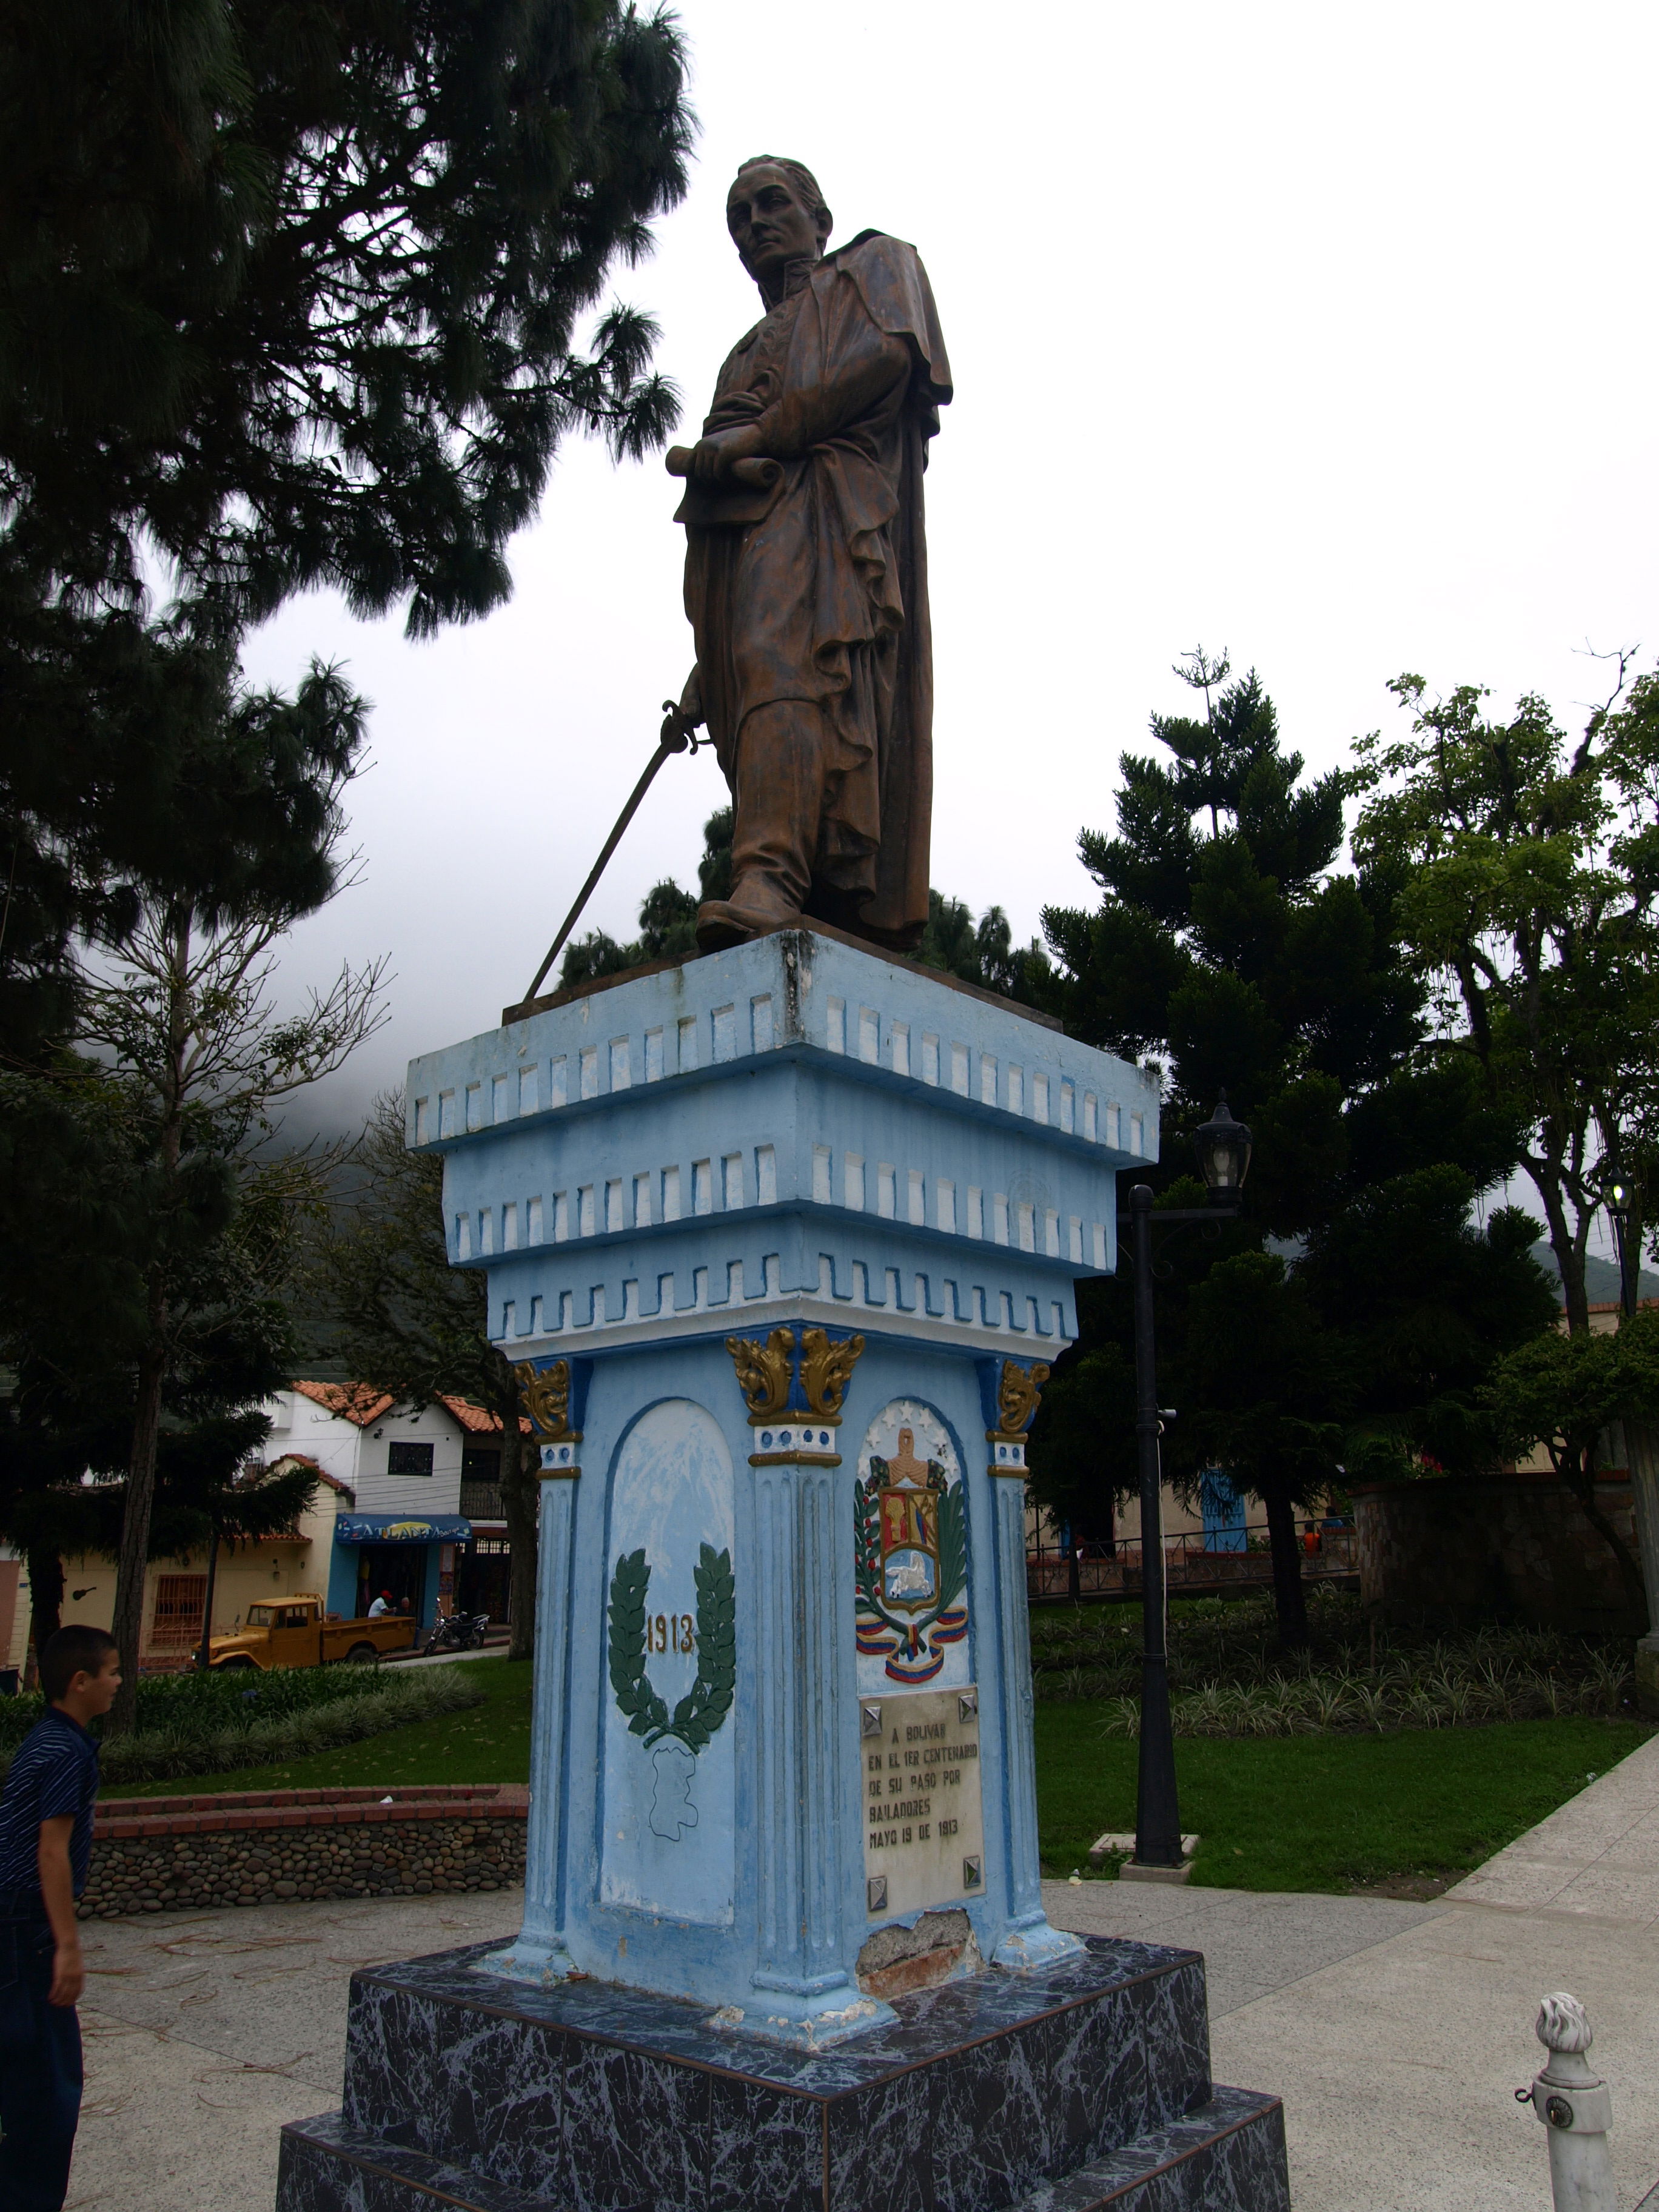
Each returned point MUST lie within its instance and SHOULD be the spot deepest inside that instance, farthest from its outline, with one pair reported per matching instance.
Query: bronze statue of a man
(807, 574)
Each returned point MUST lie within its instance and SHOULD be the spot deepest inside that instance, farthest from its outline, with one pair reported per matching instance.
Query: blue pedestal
(784, 1240)
(786, 1236)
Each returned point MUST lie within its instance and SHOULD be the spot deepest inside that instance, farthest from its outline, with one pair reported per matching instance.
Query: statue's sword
(676, 734)
(676, 738)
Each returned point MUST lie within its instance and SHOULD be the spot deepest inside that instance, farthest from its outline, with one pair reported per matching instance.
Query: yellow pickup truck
(292, 1632)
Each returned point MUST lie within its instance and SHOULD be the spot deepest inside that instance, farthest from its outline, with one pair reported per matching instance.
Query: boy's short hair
(74, 1650)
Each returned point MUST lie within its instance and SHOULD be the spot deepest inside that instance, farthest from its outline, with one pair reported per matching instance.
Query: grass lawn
(489, 1742)
(1321, 1812)
(1304, 1812)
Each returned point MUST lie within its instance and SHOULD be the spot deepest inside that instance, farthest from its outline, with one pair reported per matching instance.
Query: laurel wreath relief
(701, 1712)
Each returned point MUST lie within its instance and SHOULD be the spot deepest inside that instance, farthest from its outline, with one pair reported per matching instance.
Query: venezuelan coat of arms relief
(911, 1537)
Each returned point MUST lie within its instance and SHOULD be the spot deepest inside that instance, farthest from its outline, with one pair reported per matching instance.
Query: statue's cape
(894, 287)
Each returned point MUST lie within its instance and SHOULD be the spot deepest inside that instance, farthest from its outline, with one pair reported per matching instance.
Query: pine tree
(982, 952)
(292, 294)
(1232, 952)
(290, 297)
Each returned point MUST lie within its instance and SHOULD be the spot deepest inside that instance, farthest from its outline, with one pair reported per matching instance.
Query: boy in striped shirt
(45, 1848)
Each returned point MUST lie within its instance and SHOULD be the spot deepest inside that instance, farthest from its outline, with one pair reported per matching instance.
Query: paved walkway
(205, 2031)
(1397, 2064)
(1599, 1854)
(419, 1658)
(1395, 2032)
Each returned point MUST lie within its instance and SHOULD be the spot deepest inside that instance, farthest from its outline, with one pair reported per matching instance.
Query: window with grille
(481, 1484)
(408, 1459)
(177, 1625)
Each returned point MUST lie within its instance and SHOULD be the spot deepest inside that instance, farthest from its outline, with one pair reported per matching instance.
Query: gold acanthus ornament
(826, 1369)
(1018, 1394)
(546, 1393)
(766, 1371)
(763, 1372)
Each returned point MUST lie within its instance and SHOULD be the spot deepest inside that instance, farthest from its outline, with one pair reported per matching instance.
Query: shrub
(1228, 1677)
(210, 1723)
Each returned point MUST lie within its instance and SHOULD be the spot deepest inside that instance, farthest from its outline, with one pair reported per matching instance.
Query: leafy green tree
(1421, 1299)
(1230, 951)
(393, 1312)
(1528, 867)
(197, 1059)
(288, 299)
(1566, 1391)
(715, 868)
(245, 820)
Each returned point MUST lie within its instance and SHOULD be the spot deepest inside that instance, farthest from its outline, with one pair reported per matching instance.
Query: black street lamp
(1224, 1157)
(1616, 1196)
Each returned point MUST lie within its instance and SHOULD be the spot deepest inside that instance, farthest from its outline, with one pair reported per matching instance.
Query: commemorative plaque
(924, 1825)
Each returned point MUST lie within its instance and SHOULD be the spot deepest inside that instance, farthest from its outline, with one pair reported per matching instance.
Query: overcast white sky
(1322, 334)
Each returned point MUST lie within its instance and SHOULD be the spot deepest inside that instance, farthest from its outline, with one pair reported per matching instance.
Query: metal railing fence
(1188, 1564)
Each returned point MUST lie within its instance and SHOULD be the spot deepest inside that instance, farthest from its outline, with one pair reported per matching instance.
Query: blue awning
(401, 1528)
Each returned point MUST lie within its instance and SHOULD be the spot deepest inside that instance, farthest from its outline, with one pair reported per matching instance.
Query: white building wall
(379, 1491)
(358, 1456)
(299, 1425)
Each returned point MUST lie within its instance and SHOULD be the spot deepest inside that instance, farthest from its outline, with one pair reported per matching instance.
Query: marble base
(1051, 2090)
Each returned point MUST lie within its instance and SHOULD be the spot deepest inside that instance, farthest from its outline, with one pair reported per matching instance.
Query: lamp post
(1641, 1447)
(1223, 1145)
(1616, 1195)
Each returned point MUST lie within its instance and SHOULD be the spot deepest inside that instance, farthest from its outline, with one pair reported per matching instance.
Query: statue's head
(777, 216)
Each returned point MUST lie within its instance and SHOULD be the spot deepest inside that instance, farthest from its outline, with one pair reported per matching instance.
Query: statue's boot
(758, 903)
(782, 758)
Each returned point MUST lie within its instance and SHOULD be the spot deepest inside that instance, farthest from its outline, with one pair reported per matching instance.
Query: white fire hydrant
(1576, 2107)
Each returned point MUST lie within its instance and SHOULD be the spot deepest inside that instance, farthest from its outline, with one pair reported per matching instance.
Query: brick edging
(305, 1808)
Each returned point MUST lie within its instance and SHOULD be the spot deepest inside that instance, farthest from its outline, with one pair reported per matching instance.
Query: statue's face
(771, 224)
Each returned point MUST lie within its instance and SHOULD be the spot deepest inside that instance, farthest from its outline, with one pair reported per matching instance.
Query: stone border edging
(252, 1847)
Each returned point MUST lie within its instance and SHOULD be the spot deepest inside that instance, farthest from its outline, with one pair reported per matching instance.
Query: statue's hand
(679, 721)
(714, 457)
(735, 409)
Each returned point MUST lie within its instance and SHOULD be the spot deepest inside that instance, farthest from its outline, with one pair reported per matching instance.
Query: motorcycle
(461, 1631)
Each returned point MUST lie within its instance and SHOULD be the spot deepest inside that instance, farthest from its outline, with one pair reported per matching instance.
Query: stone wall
(1453, 1552)
(159, 1854)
